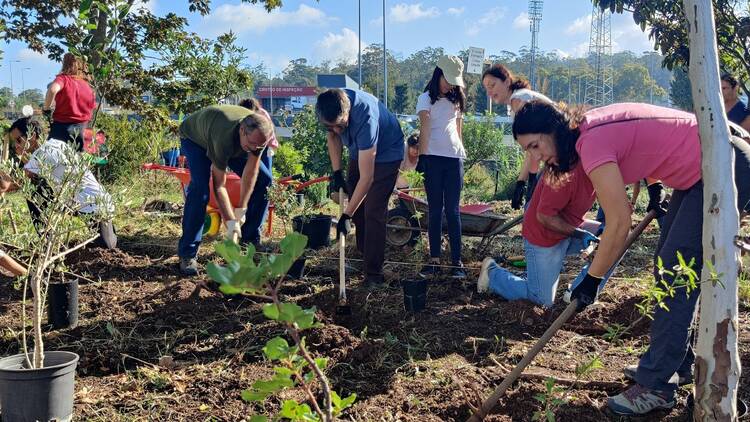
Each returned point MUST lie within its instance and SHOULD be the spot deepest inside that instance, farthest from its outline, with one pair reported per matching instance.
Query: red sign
(286, 91)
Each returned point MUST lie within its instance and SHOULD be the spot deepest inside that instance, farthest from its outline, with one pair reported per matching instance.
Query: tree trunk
(717, 365)
(36, 290)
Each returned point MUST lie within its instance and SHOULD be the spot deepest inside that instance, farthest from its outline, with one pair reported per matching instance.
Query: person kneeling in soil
(213, 140)
(376, 147)
(553, 228)
(59, 157)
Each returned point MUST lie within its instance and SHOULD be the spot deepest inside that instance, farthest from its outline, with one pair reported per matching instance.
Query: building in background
(336, 81)
(289, 98)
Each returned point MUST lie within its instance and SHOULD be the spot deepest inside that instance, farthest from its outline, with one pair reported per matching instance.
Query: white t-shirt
(59, 156)
(444, 140)
(526, 95)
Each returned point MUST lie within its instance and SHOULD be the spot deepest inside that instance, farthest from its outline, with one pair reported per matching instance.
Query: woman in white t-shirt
(503, 88)
(441, 147)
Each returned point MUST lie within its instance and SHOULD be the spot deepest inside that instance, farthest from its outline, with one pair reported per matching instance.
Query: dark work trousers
(257, 207)
(443, 181)
(369, 218)
(71, 133)
(670, 350)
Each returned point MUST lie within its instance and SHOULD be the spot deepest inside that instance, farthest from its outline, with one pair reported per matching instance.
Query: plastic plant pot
(415, 295)
(317, 228)
(62, 304)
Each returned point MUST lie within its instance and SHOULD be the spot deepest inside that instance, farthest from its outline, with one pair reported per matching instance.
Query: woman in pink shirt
(617, 145)
(74, 102)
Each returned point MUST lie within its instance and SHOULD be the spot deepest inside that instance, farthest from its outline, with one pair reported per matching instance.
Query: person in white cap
(440, 109)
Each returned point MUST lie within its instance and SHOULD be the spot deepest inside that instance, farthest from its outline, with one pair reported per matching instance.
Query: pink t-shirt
(645, 141)
(273, 143)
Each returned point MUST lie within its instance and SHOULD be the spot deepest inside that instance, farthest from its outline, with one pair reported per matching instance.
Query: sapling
(295, 366)
(53, 229)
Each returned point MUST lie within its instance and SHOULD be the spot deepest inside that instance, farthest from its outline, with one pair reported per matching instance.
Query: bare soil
(430, 366)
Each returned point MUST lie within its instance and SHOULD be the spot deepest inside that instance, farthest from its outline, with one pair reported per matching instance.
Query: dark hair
(24, 124)
(455, 95)
(543, 117)
(501, 72)
(332, 104)
(250, 104)
(730, 79)
(413, 140)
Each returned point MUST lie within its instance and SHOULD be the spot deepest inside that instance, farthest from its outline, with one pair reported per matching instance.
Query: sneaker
(373, 282)
(630, 370)
(639, 400)
(430, 270)
(188, 266)
(458, 272)
(483, 283)
(107, 234)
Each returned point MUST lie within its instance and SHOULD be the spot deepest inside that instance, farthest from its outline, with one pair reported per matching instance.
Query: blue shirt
(372, 125)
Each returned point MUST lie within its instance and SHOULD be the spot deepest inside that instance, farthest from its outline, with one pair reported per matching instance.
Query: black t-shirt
(737, 114)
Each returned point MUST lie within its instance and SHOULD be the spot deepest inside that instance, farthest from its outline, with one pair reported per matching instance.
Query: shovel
(569, 311)
(342, 308)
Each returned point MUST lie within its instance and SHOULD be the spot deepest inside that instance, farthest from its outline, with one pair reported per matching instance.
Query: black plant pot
(317, 228)
(415, 295)
(62, 304)
(297, 270)
(42, 394)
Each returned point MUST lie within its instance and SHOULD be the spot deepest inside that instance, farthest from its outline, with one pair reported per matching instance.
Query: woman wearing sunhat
(441, 148)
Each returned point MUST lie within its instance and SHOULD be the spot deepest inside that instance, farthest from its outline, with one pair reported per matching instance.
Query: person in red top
(553, 228)
(74, 102)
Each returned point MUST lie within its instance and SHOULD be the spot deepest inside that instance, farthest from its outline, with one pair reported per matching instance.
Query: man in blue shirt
(373, 136)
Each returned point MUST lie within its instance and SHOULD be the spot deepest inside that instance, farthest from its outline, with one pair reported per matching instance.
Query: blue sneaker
(639, 400)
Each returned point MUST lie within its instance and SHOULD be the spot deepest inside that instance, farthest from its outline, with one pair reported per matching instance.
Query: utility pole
(535, 18)
(270, 91)
(12, 94)
(385, 64)
(599, 85)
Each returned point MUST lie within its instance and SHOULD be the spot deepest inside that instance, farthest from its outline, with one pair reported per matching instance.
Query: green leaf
(219, 274)
(84, 7)
(321, 363)
(293, 245)
(340, 404)
(258, 418)
(251, 396)
(280, 264)
(91, 26)
(271, 311)
(276, 348)
(229, 251)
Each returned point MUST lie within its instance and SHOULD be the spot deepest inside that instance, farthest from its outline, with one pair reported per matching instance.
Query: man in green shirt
(213, 140)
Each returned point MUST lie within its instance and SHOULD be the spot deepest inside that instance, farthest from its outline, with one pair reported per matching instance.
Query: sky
(327, 30)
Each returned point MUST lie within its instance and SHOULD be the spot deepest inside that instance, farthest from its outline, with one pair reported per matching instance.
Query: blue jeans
(257, 208)
(543, 266)
(197, 195)
(443, 181)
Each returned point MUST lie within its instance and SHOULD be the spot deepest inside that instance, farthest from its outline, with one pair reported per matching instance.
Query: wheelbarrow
(212, 223)
(409, 219)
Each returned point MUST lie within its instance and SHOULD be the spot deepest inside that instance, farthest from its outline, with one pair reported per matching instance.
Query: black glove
(585, 292)
(517, 199)
(344, 226)
(656, 200)
(338, 182)
(47, 115)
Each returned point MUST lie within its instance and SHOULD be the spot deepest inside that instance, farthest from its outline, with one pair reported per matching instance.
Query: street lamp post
(23, 84)
(12, 94)
(385, 64)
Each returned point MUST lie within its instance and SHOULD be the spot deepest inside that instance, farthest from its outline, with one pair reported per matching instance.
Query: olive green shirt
(217, 129)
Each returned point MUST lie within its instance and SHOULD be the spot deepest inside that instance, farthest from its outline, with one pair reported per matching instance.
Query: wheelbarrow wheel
(211, 224)
(397, 236)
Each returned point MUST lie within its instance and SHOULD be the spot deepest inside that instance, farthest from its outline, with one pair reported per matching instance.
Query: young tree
(401, 101)
(717, 364)
(680, 91)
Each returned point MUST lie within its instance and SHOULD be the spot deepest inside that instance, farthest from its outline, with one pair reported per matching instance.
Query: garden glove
(344, 226)
(338, 182)
(656, 199)
(586, 237)
(586, 291)
(239, 215)
(47, 115)
(234, 232)
(517, 199)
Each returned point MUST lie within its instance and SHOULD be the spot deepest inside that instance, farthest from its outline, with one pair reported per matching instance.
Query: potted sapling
(311, 221)
(37, 384)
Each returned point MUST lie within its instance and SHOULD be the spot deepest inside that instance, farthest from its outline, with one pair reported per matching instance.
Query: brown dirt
(430, 366)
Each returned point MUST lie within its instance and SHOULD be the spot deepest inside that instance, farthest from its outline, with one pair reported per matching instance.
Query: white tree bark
(717, 365)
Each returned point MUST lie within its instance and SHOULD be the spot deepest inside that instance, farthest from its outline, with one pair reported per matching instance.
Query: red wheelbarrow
(408, 219)
(212, 223)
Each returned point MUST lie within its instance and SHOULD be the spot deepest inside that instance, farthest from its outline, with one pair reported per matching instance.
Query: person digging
(375, 141)
(91, 199)
(214, 140)
(553, 228)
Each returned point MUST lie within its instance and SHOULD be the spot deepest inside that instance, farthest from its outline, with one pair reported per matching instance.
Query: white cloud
(521, 21)
(560, 53)
(28, 55)
(455, 11)
(626, 35)
(489, 17)
(245, 17)
(338, 47)
(580, 25)
(402, 12)
(274, 64)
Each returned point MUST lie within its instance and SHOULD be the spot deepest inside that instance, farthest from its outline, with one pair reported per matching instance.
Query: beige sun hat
(452, 68)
